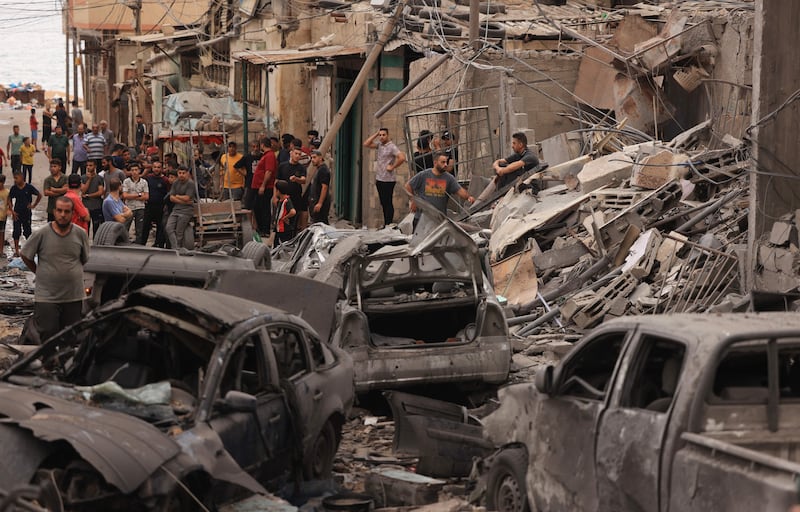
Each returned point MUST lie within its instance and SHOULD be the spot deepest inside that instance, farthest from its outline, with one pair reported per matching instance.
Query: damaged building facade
(582, 79)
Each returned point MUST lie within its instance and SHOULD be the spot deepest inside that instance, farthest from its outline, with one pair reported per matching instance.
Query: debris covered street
(396, 255)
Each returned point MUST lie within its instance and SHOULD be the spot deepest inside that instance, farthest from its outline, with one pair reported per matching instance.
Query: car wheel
(318, 463)
(259, 253)
(505, 489)
(111, 233)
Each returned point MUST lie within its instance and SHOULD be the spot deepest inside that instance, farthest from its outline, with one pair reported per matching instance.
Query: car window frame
(309, 366)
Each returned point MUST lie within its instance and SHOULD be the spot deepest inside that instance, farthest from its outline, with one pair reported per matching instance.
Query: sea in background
(32, 45)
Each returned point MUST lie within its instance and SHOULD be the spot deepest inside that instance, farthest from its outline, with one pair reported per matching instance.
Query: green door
(347, 179)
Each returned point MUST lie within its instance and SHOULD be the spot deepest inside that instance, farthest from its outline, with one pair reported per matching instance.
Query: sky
(32, 45)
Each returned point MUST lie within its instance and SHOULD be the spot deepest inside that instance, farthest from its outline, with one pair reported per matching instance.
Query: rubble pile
(653, 228)
(778, 255)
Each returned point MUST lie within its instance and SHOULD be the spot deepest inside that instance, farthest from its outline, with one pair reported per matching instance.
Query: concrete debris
(398, 487)
(607, 170)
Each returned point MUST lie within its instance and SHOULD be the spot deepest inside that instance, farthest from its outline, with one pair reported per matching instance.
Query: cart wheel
(259, 253)
(247, 232)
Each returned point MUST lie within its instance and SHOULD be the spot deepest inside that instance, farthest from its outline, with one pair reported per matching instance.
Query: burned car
(413, 311)
(172, 397)
(113, 270)
(304, 254)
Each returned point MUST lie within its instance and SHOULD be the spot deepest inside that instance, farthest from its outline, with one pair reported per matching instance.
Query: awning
(160, 37)
(195, 136)
(276, 57)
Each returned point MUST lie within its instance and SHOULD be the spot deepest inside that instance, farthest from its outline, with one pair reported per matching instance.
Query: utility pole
(66, 52)
(244, 104)
(75, 64)
(474, 24)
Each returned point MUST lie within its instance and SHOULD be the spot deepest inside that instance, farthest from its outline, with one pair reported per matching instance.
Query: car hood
(125, 450)
(451, 255)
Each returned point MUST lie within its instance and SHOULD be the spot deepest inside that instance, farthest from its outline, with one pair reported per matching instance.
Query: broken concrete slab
(561, 148)
(782, 232)
(569, 168)
(560, 257)
(515, 277)
(778, 259)
(655, 171)
(395, 487)
(642, 254)
(658, 51)
(575, 304)
(606, 170)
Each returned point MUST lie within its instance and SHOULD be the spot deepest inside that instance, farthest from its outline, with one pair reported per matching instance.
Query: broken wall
(775, 148)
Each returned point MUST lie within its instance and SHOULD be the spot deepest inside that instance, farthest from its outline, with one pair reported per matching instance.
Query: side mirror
(544, 380)
(239, 402)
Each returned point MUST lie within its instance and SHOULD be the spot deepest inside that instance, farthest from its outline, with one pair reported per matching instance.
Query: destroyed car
(663, 412)
(114, 270)
(420, 312)
(167, 398)
(304, 254)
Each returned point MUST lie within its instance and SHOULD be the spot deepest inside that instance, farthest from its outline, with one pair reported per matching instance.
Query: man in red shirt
(264, 184)
(80, 214)
(34, 124)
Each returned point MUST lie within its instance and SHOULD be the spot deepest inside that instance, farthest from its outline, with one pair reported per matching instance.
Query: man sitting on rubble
(436, 186)
(511, 167)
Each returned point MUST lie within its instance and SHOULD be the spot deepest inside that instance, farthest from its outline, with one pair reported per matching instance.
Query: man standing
(54, 187)
(294, 174)
(135, 192)
(435, 186)
(61, 116)
(79, 150)
(263, 186)
(511, 167)
(34, 124)
(12, 149)
(451, 151)
(388, 158)
(108, 135)
(62, 250)
(182, 196)
(113, 172)
(58, 146)
(76, 114)
(319, 200)
(157, 187)
(80, 214)
(114, 209)
(141, 129)
(95, 145)
(232, 178)
(93, 189)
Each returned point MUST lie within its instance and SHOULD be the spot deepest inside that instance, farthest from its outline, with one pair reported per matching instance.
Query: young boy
(26, 152)
(21, 209)
(284, 214)
(3, 211)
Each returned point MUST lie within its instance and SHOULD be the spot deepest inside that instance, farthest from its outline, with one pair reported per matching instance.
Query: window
(588, 374)
(743, 373)
(290, 355)
(655, 375)
(245, 371)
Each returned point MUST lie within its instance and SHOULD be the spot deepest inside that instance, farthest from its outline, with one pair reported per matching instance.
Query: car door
(632, 428)
(307, 388)
(257, 440)
(562, 464)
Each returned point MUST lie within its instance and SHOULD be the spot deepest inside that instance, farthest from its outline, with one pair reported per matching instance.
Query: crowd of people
(142, 188)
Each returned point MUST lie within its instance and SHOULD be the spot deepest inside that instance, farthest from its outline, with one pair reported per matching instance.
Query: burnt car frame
(251, 393)
(412, 311)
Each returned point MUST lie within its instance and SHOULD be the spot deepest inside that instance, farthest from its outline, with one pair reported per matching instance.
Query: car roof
(714, 328)
(222, 308)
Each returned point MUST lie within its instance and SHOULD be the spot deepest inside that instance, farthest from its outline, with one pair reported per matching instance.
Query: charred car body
(671, 413)
(160, 399)
(410, 312)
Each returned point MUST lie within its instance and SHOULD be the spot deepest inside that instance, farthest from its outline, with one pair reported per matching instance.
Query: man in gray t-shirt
(62, 250)
(435, 186)
(182, 195)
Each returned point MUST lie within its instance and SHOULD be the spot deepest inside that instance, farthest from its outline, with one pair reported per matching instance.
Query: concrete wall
(775, 147)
